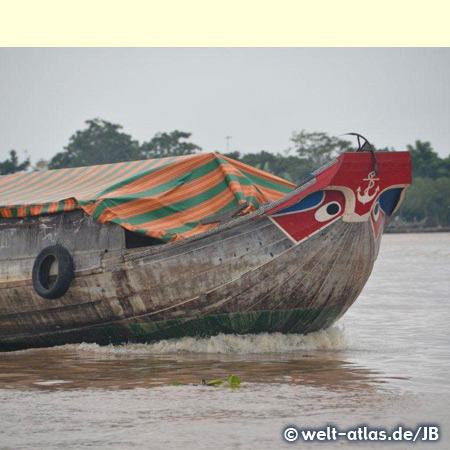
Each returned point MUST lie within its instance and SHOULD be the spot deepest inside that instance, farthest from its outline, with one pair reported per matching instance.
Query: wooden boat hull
(247, 277)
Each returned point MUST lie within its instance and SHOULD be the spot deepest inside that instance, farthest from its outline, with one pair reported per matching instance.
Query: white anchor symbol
(366, 197)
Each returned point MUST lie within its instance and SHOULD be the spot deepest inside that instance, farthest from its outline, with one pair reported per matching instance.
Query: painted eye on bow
(376, 211)
(327, 211)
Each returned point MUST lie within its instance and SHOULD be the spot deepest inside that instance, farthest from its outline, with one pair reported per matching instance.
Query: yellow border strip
(211, 23)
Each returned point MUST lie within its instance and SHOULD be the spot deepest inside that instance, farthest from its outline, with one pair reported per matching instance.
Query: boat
(150, 250)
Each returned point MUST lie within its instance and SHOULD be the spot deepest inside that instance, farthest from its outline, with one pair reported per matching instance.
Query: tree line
(103, 142)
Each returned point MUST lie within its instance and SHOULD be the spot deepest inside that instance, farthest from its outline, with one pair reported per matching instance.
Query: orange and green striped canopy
(162, 198)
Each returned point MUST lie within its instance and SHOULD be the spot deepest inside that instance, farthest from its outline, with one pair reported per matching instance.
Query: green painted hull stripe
(284, 321)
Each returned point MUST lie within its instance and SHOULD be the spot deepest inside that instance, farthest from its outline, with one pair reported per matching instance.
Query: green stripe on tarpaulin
(165, 212)
(193, 175)
(147, 197)
(188, 226)
(284, 321)
(145, 171)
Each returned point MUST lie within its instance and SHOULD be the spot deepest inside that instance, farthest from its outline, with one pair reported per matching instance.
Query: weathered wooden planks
(229, 278)
(288, 267)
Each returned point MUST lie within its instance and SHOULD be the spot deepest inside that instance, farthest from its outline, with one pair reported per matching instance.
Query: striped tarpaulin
(163, 198)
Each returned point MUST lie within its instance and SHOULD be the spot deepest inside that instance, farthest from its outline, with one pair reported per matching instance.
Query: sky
(258, 96)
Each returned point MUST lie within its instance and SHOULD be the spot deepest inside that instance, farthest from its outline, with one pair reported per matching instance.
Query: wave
(333, 338)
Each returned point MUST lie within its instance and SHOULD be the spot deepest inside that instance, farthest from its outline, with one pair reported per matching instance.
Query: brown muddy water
(387, 362)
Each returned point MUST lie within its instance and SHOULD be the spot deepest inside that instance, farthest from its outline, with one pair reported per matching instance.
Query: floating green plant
(232, 381)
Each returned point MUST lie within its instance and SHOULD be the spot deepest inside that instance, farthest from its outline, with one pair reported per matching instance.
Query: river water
(386, 363)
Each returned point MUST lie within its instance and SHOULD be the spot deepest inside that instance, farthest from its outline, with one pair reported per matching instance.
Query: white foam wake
(332, 338)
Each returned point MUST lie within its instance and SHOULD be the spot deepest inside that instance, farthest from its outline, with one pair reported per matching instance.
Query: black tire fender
(41, 272)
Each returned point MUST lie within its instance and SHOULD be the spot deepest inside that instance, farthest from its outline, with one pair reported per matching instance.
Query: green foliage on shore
(102, 142)
(12, 164)
(426, 162)
(168, 144)
(428, 198)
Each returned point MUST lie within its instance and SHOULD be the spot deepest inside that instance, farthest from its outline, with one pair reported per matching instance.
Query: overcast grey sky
(257, 96)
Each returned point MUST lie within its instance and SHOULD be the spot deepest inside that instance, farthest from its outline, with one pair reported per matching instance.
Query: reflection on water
(389, 365)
